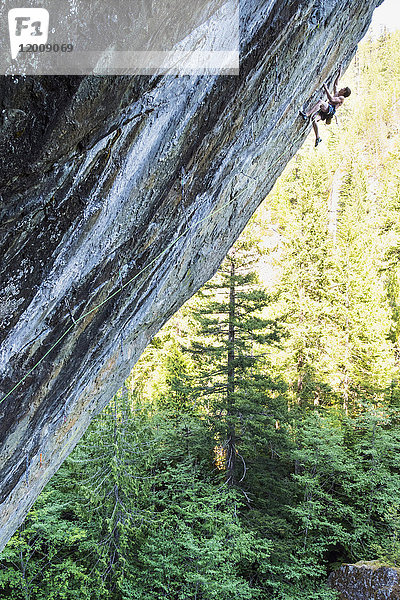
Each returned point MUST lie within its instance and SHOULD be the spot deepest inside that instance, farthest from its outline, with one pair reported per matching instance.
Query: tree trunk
(231, 441)
(333, 203)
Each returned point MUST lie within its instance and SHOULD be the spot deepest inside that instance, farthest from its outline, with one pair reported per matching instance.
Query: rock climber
(324, 111)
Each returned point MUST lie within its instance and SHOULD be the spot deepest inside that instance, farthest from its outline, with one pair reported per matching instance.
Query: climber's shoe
(303, 115)
(318, 141)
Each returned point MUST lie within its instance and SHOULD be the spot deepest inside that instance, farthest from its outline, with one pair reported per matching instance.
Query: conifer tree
(228, 349)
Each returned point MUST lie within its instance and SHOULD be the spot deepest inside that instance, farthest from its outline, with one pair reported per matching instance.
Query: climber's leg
(315, 127)
(321, 105)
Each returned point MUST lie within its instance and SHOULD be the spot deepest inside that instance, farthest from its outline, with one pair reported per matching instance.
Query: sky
(387, 14)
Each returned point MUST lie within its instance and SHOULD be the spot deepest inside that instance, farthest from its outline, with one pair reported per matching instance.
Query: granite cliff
(119, 197)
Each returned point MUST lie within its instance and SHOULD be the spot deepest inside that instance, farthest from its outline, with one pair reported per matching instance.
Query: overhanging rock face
(120, 197)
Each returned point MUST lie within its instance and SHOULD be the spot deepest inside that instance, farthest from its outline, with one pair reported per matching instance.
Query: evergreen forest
(255, 446)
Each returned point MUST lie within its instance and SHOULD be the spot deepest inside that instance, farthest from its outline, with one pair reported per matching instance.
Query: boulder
(366, 581)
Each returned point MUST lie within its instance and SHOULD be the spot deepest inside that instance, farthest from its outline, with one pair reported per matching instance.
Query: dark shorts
(328, 114)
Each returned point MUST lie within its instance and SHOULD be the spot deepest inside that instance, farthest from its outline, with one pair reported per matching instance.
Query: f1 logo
(27, 26)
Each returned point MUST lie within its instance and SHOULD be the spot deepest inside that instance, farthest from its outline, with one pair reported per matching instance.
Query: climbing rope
(122, 286)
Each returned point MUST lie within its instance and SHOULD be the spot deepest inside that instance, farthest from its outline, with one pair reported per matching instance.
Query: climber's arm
(331, 98)
(336, 82)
